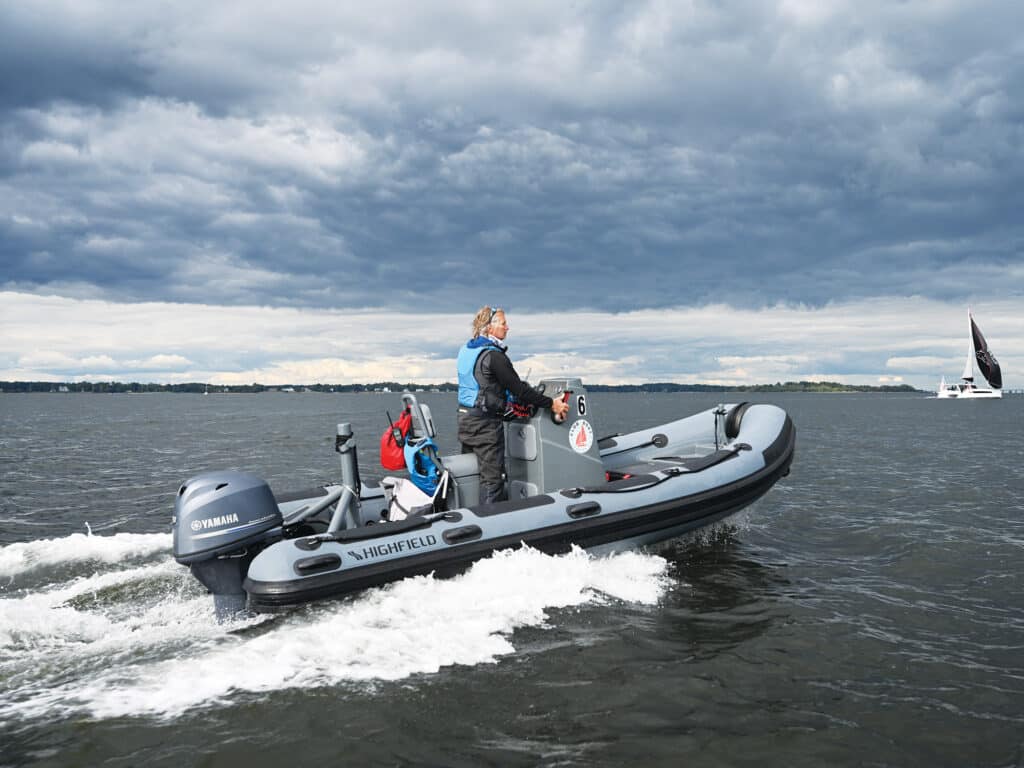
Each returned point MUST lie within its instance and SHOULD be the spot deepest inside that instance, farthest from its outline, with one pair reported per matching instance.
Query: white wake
(16, 559)
(140, 639)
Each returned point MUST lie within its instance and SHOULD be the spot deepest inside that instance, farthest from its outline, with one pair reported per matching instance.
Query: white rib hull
(967, 392)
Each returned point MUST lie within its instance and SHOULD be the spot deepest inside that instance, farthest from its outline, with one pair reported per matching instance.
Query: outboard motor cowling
(221, 521)
(218, 512)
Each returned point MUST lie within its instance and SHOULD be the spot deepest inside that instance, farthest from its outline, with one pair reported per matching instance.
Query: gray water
(868, 611)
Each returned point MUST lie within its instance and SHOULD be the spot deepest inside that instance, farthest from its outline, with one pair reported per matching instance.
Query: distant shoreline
(114, 387)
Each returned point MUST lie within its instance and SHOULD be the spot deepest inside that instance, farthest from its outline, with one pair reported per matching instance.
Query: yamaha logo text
(213, 522)
(393, 547)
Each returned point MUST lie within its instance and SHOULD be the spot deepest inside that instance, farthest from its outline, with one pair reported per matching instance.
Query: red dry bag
(392, 442)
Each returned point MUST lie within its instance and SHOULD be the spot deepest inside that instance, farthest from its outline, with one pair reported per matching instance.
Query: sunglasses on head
(494, 311)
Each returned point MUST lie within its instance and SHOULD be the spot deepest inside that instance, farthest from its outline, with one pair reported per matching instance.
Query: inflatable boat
(256, 549)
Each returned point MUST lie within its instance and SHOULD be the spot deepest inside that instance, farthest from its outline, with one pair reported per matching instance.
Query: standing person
(486, 379)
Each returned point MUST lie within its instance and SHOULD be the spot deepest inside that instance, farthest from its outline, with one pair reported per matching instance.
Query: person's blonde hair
(483, 319)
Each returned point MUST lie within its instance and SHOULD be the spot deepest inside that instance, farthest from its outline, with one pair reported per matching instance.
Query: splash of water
(24, 557)
(140, 639)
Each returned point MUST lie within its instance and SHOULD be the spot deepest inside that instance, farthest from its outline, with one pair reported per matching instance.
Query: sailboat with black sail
(977, 352)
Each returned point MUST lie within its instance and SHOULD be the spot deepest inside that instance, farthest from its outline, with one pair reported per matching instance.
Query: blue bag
(419, 460)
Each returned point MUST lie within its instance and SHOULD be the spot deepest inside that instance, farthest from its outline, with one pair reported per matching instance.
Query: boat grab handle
(586, 509)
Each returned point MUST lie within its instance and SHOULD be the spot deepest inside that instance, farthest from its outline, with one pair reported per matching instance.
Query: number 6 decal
(581, 405)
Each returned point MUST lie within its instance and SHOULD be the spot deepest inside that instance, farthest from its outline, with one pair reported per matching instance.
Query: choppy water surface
(869, 610)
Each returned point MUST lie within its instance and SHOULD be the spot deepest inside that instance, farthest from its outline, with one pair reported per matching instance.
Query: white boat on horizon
(977, 351)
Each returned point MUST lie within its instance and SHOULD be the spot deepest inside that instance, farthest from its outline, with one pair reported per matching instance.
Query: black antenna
(396, 433)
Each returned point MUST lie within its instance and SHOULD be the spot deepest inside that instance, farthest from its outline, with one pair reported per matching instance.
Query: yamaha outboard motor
(221, 522)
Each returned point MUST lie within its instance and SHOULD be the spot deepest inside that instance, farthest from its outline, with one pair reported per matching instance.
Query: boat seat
(465, 478)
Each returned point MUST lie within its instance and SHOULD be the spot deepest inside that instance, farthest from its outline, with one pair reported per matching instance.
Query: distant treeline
(392, 386)
(200, 387)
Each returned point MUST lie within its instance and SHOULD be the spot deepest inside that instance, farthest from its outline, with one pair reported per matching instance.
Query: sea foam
(22, 557)
(415, 626)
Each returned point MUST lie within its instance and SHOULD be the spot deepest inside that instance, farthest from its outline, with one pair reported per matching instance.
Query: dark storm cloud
(44, 58)
(583, 156)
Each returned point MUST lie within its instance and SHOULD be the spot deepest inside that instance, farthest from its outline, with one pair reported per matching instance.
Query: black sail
(987, 363)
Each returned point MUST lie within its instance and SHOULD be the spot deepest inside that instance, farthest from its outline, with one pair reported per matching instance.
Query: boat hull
(968, 393)
(668, 496)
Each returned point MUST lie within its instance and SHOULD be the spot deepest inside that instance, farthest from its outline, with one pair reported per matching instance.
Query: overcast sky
(710, 192)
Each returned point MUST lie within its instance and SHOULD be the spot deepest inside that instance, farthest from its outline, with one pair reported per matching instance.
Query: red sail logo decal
(581, 438)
